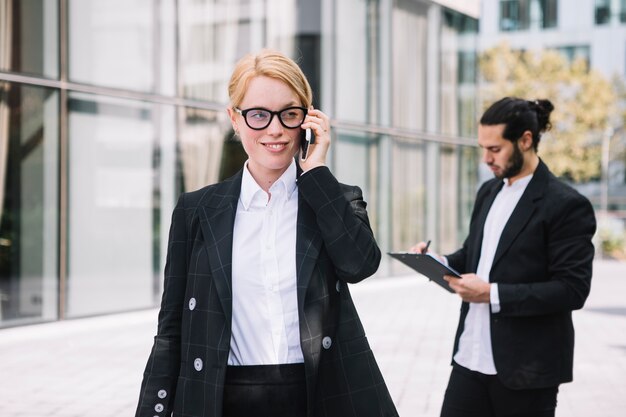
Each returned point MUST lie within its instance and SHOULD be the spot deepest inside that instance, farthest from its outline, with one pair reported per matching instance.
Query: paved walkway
(92, 367)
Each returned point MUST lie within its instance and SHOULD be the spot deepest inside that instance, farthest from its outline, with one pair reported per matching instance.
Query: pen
(426, 248)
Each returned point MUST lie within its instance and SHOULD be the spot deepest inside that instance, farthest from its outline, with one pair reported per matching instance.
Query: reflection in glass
(202, 136)
(29, 41)
(458, 76)
(123, 44)
(215, 34)
(115, 197)
(28, 203)
(350, 61)
(409, 64)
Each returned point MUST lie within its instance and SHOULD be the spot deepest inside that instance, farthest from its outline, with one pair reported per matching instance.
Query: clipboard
(428, 266)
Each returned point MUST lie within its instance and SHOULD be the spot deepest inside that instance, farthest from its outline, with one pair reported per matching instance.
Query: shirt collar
(521, 183)
(250, 189)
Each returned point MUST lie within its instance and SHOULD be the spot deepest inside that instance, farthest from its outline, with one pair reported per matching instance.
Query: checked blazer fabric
(543, 267)
(185, 372)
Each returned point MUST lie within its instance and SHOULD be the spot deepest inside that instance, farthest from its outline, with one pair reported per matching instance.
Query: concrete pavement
(92, 367)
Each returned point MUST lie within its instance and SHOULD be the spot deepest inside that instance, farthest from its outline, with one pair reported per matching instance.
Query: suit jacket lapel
(308, 244)
(217, 218)
(523, 210)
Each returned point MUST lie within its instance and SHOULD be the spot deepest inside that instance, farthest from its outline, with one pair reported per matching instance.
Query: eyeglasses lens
(291, 117)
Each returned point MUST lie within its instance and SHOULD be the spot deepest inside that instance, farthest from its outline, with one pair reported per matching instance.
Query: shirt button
(192, 303)
(327, 342)
(162, 393)
(197, 364)
(158, 408)
(338, 286)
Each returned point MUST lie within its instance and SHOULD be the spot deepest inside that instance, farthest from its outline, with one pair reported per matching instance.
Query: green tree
(585, 103)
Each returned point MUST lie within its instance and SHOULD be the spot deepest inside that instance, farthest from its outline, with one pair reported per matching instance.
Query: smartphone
(305, 140)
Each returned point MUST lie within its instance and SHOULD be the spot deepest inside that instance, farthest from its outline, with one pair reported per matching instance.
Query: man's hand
(470, 288)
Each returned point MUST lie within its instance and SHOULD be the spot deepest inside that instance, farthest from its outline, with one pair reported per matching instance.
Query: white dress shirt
(475, 351)
(265, 326)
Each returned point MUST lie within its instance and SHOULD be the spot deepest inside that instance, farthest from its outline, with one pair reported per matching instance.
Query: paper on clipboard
(428, 266)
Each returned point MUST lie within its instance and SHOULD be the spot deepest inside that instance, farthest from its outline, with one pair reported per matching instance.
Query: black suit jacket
(334, 246)
(543, 266)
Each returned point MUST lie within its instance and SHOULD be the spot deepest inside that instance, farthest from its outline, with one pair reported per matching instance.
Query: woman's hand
(319, 124)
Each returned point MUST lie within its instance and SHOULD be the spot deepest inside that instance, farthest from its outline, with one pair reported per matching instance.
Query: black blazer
(543, 266)
(334, 246)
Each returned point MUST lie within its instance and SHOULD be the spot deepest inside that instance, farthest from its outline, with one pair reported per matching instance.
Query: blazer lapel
(217, 218)
(308, 244)
(523, 211)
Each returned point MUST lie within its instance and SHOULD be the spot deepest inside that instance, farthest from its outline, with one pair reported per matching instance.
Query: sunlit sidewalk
(92, 367)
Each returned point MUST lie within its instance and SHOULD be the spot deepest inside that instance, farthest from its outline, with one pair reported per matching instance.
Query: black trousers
(265, 390)
(472, 394)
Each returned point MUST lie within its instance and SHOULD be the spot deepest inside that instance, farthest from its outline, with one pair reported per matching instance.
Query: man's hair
(519, 115)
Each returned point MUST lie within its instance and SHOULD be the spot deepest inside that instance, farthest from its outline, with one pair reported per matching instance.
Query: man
(526, 265)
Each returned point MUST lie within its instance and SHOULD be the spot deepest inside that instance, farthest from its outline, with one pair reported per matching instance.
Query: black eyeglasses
(259, 118)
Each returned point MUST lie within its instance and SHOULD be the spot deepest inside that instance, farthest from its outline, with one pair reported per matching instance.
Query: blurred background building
(592, 30)
(110, 109)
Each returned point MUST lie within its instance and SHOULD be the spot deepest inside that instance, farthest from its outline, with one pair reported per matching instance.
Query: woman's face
(270, 150)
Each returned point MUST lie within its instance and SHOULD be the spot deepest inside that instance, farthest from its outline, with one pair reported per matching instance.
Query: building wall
(576, 26)
(109, 110)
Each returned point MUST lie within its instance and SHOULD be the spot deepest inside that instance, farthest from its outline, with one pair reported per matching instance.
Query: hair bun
(543, 107)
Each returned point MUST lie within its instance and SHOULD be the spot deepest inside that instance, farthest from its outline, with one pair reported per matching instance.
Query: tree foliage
(585, 103)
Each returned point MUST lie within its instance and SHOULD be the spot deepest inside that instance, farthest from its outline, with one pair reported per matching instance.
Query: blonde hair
(271, 64)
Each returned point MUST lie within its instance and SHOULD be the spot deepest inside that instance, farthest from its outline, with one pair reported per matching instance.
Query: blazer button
(192, 303)
(162, 393)
(197, 364)
(338, 286)
(158, 408)
(327, 342)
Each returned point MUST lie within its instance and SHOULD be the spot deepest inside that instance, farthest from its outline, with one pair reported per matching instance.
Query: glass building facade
(110, 109)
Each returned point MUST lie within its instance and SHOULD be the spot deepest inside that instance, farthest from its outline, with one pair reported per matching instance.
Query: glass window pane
(350, 41)
(572, 53)
(28, 203)
(408, 202)
(549, 13)
(410, 36)
(215, 34)
(458, 76)
(29, 41)
(122, 44)
(203, 157)
(603, 11)
(121, 175)
(514, 15)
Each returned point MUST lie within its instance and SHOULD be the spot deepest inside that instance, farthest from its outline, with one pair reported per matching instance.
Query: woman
(256, 317)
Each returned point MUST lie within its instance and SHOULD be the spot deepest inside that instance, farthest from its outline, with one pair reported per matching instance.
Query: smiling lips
(275, 147)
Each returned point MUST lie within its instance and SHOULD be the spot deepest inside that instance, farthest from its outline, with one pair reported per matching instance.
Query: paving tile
(93, 367)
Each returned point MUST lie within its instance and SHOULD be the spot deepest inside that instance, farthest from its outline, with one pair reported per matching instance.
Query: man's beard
(514, 164)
